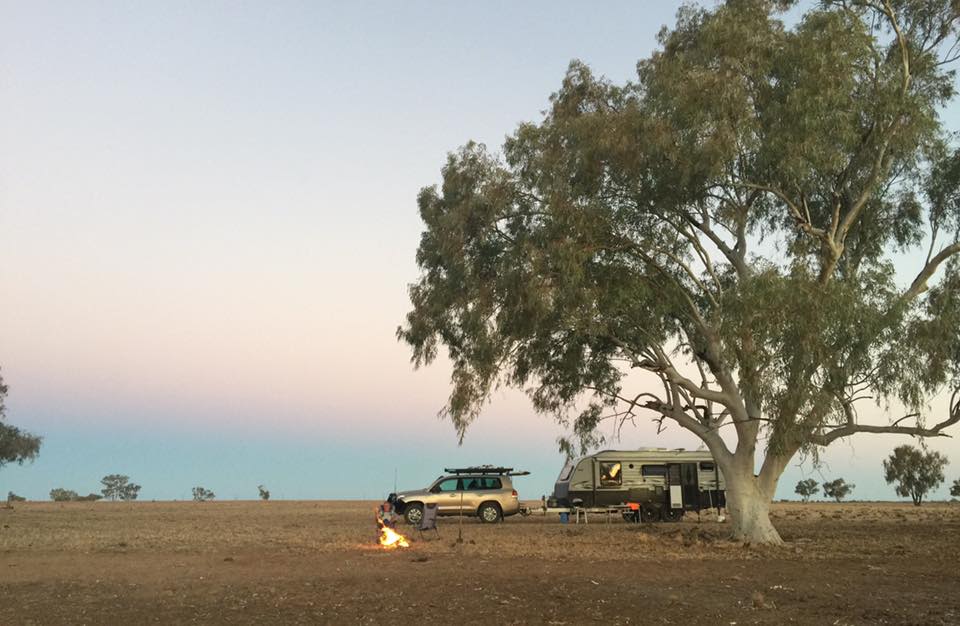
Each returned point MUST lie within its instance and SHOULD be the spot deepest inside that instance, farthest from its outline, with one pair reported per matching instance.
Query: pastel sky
(208, 225)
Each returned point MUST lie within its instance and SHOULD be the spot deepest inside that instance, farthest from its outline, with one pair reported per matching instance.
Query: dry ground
(314, 562)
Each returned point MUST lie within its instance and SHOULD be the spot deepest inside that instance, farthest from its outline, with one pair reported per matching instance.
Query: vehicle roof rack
(484, 469)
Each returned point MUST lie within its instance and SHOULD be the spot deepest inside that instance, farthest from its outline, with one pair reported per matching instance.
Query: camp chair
(428, 521)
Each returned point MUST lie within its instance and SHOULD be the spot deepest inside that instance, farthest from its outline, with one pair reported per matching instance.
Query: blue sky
(208, 224)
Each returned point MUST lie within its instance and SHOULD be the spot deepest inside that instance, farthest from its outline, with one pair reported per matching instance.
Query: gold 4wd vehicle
(484, 491)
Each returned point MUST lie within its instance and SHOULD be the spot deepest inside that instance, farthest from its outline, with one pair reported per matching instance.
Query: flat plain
(317, 562)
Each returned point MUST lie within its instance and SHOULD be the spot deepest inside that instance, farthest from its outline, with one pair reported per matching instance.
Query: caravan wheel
(649, 514)
(672, 515)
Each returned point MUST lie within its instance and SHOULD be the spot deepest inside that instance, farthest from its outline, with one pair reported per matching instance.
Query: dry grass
(331, 526)
(316, 562)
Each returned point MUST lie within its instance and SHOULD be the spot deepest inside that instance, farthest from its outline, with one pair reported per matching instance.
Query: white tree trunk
(749, 509)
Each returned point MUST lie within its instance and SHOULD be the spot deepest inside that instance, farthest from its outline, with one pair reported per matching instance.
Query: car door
(448, 494)
(473, 493)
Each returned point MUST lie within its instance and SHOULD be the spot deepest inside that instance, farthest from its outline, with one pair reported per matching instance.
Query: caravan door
(683, 484)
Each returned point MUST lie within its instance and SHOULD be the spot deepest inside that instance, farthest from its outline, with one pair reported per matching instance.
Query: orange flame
(389, 538)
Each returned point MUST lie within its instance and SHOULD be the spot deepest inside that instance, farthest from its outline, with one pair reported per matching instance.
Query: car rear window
(482, 482)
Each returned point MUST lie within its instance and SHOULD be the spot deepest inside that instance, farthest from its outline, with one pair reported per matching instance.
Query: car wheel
(672, 515)
(413, 514)
(489, 513)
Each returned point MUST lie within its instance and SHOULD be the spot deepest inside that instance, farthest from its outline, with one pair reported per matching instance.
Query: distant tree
(955, 488)
(90, 497)
(806, 488)
(112, 485)
(12, 497)
(16, 446)
(130, 492)
(201, 494)
(914, 471)
(119, 487)
(63, 495)
(837, 489)
(264, 493)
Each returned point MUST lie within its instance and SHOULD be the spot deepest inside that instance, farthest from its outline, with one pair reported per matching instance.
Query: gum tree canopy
(16, 446)
(730, 225)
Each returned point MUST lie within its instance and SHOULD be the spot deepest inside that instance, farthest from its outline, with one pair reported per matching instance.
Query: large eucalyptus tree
(16, 445)
(765, 223)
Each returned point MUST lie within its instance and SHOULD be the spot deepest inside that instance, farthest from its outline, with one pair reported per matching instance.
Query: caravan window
(653, 470)
(610, 474)
(566, 471)
(706, 467)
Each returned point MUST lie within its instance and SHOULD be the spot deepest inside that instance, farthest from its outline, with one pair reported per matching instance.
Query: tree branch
(795, 212)
(894, 428)
(919, 284)
(664, 367)
(735, 259)
(700, 250)
(689, 272)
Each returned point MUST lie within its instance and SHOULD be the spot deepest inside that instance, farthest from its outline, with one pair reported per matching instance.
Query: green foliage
(806, 488)
(16, 446)
(119, 487)
(201, 494)
(955, 488)
(63, 495)
(914, 471)
(837, 489)
(263, 492)
(735, 212)
(12, 497)
(68, 495)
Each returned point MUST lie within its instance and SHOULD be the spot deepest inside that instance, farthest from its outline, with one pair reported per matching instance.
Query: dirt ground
(315, 562)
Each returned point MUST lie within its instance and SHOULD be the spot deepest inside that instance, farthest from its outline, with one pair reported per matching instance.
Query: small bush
(201, 494)
(63, 495)
(119, 487)
(69, 495)
(12, 497)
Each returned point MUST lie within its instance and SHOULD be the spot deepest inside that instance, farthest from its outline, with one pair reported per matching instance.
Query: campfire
(389, 538)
